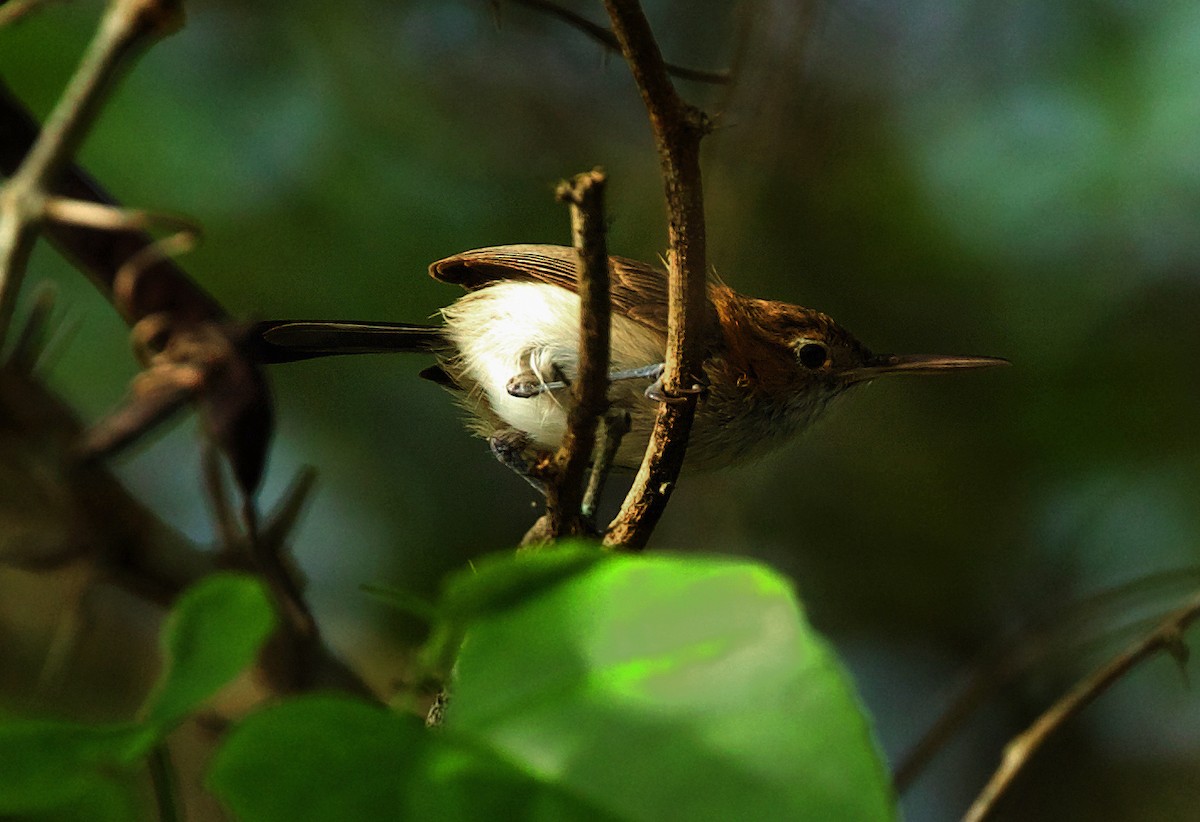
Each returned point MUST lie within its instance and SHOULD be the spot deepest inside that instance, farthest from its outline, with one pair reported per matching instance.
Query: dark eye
(813, 355)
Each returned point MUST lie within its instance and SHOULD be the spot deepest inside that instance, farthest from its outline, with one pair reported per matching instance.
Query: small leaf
(681, 688)
(329, 757)
(214, 631)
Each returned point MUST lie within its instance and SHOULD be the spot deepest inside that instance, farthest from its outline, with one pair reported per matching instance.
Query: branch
(127, 26)
(129, 267)
(678, 129)
(606, 38)
(589, 391)
(1168, 636)
(1052, 635)
(190, 347)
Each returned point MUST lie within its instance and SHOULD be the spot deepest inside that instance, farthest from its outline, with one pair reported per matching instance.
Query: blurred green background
(1017, 179)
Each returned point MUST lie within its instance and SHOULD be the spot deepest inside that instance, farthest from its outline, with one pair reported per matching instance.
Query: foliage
(87, 771)
(587, 687)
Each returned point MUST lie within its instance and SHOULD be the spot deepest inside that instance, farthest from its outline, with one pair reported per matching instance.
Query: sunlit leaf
(328, 757)
(679, 688)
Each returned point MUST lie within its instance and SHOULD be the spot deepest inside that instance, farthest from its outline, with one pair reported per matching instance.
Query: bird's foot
(657, 392)
(529, 384)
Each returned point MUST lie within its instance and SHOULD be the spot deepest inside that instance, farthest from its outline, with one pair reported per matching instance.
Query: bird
(509, 349)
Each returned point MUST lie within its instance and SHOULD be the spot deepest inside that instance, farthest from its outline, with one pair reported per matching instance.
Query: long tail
(292, 340)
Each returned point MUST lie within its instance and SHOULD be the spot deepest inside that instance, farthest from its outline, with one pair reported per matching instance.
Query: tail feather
(292, 340)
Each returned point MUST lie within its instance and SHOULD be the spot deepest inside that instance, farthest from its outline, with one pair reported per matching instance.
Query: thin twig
(1168, 636)
(1055, 636)
(613, 428)
(31, 341)
(609, 40)
(678, 129)
(107, 217)
(589, 391)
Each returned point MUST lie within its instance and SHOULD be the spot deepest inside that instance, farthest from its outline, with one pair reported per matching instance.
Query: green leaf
(328, 757)
(495, 584)
(48, 764)
(214, 631)
(681, 688)
(499, 582)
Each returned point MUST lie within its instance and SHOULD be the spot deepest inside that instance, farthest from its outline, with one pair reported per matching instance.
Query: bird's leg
(528, 384)
(614, 425)
(511, 449)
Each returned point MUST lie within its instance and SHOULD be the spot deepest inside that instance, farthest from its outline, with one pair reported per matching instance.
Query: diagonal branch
(1168, 636)
(127, 27)
(678, 129)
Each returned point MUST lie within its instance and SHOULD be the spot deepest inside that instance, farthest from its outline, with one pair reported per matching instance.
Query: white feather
(503, 329)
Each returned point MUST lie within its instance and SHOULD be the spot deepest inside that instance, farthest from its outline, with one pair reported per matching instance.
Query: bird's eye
(812, 355)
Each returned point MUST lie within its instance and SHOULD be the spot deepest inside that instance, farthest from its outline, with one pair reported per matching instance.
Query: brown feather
(639, 291)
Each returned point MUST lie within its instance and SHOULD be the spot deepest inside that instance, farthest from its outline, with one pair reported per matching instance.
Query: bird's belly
(509, 328)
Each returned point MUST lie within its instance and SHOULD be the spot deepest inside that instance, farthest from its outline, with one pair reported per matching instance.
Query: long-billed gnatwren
(510, 348)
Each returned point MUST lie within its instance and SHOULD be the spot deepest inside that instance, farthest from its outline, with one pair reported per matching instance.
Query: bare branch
(1168, 636)
(146, 284)
(589, 391)
(678, 129)
(609, 40)
(127, 26)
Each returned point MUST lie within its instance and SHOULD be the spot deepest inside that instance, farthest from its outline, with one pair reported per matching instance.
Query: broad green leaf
(47, 764)
(214, 631)
(672, 688)
(328, 757)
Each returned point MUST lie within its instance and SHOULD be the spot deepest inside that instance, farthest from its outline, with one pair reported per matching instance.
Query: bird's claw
(657, 392)
(527, 384)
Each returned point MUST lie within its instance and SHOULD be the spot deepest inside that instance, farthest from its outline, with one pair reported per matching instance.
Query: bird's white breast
(509, 327)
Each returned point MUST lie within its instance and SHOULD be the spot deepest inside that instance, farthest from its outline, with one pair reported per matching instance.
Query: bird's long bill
(882, 365)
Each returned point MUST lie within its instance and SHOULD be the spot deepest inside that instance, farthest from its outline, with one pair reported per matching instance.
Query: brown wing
(639, 291)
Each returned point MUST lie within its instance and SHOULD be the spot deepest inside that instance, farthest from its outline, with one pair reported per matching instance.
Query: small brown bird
(509, 348)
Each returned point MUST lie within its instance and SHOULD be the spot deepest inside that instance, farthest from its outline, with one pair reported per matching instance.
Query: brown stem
(589, 391)
(1168, 636)
(678, 129)
(101, 253)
